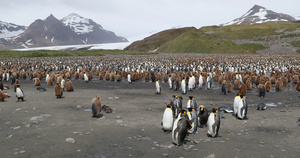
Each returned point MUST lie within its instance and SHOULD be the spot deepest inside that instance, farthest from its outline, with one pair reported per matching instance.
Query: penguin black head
(168, 105)
(174, 96)
(201, 108)
(191, 97)
(214, 110)
(190, 109)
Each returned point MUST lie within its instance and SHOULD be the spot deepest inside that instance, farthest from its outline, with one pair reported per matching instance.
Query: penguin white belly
(190, 85)
(168, 119)
(170, 82)
(174, 131)
(86, 78)
(129, 78)
(200, 82)
(47, 77)
(19, 93)
(157, 87)
(235, 104)
(188, 104)
(240, 110)
(210, 122)
(183, 88)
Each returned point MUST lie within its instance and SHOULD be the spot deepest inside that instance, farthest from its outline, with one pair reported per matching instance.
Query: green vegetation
(296, 44)
(200, 42)
(153, 42)
(60, 53)
(290, 35)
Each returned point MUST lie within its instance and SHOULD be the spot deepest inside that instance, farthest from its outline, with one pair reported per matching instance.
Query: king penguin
(194, 120)
(85, 77)
(167, 120)
(203, 116)
(19, 93)
(183, 86)
(158, 87)
(180, 129)
(240, 108)
(213, 123)
(209, 82)
(200, 81)
(129, 78)
(170, 82)
(236, 103)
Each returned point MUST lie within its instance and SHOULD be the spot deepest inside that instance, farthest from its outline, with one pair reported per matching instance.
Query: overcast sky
(132, 18)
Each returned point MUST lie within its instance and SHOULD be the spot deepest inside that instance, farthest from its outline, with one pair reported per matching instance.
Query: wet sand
(39, 126)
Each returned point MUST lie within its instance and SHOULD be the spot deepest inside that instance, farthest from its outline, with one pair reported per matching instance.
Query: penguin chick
(58, 91)
(96, 107)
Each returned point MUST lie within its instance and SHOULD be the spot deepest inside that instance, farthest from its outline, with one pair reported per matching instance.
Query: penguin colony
(186, 74)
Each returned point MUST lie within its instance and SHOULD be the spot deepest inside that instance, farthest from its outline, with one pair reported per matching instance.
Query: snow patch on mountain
(258, 14)
(9, 29)
(78, 24)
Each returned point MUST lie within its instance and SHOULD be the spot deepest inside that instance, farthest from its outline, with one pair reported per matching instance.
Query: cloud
(130, 18)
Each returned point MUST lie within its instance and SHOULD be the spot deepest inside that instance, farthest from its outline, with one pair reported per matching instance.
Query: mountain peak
(50, 18)
(258, 14)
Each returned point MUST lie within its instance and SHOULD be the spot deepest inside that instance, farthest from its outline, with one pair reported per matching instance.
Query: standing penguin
(158, 87)
(167, 120)
(203, 116)
(85, 77)
(170, 82)
(236, 103)
(96, 107)
(58, 91)
(183, 86)
(224, 88)
(192, 103)
(209, 82)
(179, 100)
(62, 83)
(129, 78)
(261, 90)
(175, 108)
(213, 123)
(19, 93)
(190, 84)
(200, 81)
(180, 129)
(242, 107)
(194, 120)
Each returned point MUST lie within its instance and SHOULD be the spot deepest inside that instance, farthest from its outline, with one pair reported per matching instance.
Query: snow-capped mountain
(258, 14)
(71, 30)
(9, 29)
(89, 31)
(78, 24)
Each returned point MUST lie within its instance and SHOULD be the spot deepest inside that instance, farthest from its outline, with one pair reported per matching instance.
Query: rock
(211, 156)
(70, 140)
(118, 117)
(78, 107)
(119, 121)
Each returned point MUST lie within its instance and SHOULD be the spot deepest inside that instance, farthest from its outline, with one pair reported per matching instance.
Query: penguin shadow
(210, 136)
(97, 115)
(166, 131)
(60, 97)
